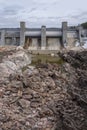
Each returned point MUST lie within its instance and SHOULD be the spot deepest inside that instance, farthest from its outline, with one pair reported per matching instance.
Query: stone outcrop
(46, 97)
(13, 63)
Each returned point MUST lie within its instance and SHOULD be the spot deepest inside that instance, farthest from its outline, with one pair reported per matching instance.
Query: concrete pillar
(22, 33)
(14, 40)
(64, 33)
(79, 34)
(2, 38)
(43, 37)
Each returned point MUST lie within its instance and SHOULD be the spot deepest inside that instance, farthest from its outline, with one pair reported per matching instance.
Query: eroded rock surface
(13, 62)
(46, 97)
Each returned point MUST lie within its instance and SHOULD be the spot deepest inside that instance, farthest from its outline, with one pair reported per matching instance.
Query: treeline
(84, 25)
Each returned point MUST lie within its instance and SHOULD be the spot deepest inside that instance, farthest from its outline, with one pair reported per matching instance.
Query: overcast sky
(42, 12)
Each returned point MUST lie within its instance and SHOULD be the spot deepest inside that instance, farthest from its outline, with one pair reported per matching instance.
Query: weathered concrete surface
(34, 45)
(43, 37)
(8, 41)
(2, 42)
(64, 33)
(51, 45)
(22, 33)
(71, 42)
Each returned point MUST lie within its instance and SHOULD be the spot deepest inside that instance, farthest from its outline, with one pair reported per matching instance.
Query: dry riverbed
(46, 96)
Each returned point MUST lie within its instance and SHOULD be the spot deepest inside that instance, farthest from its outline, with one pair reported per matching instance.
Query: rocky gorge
(46, 96)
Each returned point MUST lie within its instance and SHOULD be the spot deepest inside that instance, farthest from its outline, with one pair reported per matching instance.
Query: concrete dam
(43, 38)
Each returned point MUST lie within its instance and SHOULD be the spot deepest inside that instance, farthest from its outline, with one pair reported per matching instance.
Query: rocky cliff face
(46, 97)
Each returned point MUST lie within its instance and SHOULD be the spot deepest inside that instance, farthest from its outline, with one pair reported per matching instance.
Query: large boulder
(14, 63)
(20, 58)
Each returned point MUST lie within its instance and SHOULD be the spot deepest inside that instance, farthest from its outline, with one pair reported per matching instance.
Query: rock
(7, 68)
(16, 84)
(27, 72)
(52, 54)
(20, 93)
(1, 93)
(20, 58)
(24, 103)
(19, 48)
(14, 64)
(47, 97)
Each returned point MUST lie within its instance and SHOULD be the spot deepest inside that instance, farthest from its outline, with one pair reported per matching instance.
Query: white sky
(42, 12)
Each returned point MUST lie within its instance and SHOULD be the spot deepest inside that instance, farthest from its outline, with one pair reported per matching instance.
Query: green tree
(84, 25)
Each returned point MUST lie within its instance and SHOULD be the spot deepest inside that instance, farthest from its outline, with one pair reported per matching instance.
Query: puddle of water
(42, 58)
